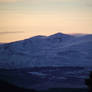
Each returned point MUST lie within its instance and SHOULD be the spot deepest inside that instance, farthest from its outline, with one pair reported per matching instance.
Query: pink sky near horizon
(22, 19)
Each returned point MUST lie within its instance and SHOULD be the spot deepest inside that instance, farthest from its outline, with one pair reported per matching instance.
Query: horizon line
(72, 34)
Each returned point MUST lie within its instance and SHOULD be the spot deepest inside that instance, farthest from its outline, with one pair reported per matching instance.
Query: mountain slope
(55, 50)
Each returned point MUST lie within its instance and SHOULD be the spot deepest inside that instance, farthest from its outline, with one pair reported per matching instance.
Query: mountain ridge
(63, 50)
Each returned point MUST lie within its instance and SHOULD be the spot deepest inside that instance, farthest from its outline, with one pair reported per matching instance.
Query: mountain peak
(57, 35)
(38, 36)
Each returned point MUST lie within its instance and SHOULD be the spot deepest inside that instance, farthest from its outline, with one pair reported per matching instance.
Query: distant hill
(56, 50)
(1, 43)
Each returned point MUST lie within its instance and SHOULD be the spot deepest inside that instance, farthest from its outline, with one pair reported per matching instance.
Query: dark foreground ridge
(89, 82)
(7, 87)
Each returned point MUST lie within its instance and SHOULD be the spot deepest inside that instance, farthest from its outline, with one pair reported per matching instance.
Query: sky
(20, 19)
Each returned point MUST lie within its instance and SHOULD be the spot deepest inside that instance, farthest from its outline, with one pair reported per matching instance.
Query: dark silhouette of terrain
(89, 82)
(67, 90)
(7, 87)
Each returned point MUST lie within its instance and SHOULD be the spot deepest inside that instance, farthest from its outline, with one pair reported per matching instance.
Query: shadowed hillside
(42, 51)
(7, 87)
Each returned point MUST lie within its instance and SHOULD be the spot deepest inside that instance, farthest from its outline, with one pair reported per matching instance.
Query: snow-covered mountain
(55, 50)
